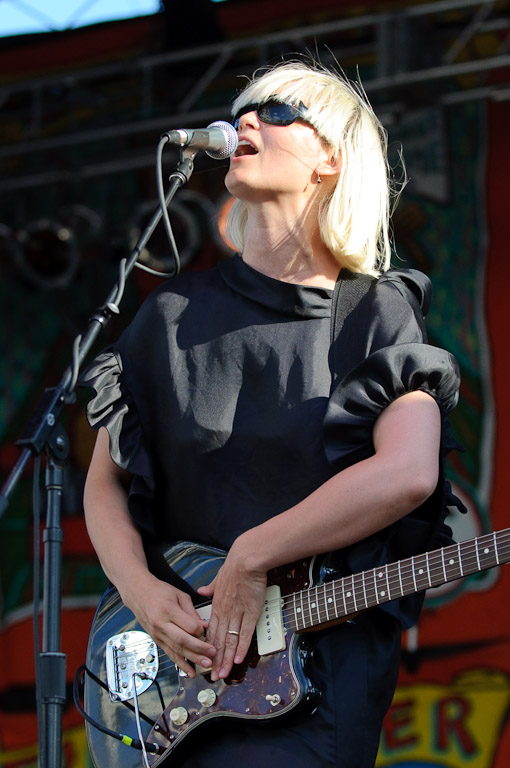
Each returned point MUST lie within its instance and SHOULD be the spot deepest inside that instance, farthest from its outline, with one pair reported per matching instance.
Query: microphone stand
(44, 433)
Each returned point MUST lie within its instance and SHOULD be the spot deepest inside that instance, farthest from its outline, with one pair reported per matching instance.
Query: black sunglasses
(273, 112)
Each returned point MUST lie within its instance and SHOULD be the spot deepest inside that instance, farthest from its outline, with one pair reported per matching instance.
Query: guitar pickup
(270, 630)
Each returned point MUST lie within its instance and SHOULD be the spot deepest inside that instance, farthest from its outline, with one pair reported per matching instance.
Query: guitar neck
(349, 595)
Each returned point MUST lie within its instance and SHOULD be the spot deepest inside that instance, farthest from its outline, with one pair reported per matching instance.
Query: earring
(319, 180)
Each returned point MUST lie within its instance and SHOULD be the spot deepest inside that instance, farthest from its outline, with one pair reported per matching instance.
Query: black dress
(219, 401)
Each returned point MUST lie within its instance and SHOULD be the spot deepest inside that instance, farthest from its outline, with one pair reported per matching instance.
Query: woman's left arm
(350, 506)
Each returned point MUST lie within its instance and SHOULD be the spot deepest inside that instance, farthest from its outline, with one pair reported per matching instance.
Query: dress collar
(287, 298)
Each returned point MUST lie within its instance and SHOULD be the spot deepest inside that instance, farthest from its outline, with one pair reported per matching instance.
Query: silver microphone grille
(231, 140)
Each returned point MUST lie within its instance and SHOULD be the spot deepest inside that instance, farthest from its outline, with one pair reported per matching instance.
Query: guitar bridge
(270, 630)
(132, 664)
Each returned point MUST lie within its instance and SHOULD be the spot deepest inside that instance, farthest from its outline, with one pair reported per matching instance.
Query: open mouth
(245, 147)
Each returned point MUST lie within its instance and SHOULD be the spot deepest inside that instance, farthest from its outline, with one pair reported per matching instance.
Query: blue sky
(18, 17)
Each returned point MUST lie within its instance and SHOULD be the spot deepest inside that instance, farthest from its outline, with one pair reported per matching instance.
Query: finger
(225, 641)
(216, 634)
(208, 589)
(230, 651)
(244, 642)
(186, 651)
(189, 620)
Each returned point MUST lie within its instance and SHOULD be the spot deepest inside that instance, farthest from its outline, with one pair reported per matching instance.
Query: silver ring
(232, 632)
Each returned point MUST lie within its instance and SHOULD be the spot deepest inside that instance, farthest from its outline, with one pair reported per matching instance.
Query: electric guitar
(133, 691)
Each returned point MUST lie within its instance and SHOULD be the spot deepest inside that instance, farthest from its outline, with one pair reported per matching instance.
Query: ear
(331, 165)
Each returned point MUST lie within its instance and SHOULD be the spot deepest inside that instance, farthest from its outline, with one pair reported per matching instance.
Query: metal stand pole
(44, 433)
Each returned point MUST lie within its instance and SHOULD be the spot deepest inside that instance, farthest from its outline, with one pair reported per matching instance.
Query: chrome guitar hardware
(131, 660)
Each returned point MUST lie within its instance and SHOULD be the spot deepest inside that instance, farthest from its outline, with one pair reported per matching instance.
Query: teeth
(246, 143)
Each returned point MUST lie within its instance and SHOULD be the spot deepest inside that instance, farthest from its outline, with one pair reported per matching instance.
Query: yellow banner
(446, 726)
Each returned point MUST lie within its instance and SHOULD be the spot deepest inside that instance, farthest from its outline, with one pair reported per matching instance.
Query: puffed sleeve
(381, 354)
(385, 375)
(112, 407)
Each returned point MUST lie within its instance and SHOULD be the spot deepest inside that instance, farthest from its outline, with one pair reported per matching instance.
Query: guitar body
(261, 689)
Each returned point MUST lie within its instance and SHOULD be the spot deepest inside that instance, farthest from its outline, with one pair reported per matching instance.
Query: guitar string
(431, 567)
(404, 582)
(288, 612)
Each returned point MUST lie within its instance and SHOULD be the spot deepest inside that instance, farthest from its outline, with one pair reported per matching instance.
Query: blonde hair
(354, 219)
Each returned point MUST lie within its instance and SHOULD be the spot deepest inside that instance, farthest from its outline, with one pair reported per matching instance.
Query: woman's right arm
(165, 612)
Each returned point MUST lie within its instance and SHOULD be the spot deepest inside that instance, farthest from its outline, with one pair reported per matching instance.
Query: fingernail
(223, 672)
(205, 662)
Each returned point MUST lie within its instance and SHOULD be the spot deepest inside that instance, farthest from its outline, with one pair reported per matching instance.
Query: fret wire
(375, 586)
(495, 547)
(460, 560)
(318, 603)
(414, 575)
(380, 576)
(296, 613)
(343, 598)
(301, 611)
(418, 570)
(312, 603)
(327, 600)
(308, 608)
(324, 595)
(334, 600)
(354, 593)
(395, 576)
(443, 565)
(388, 583)
(477, 552)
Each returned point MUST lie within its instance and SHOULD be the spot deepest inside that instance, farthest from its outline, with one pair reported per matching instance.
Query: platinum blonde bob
(354, 219)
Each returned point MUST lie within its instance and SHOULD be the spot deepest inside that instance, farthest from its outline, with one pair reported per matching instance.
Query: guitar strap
(349, 290)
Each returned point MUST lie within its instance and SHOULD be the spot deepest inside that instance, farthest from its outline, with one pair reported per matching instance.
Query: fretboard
(349, 595)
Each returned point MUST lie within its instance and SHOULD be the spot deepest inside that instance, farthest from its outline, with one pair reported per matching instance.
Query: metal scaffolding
(438, 53)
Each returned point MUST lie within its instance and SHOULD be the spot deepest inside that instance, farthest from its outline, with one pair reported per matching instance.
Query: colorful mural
(453, 701)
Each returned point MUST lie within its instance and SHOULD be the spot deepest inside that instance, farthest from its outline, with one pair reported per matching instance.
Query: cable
(162, 202)
(113, 305)
(137, 718)
(124, 738)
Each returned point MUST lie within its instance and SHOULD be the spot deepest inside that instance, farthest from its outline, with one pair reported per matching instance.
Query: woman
(242, 422)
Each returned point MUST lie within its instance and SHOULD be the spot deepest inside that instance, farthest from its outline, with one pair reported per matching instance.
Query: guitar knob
(178, 715)
(207, 697)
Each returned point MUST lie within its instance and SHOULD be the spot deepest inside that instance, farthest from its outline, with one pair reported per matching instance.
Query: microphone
(219, 139)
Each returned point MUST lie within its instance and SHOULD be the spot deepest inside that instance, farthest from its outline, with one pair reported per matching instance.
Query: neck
(287, 246)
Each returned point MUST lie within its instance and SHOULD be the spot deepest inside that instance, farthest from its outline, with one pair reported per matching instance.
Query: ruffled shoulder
(112, 407)
(416, 283)
(388, 373)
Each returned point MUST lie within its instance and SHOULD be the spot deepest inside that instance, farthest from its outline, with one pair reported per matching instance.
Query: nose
(248, 119)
